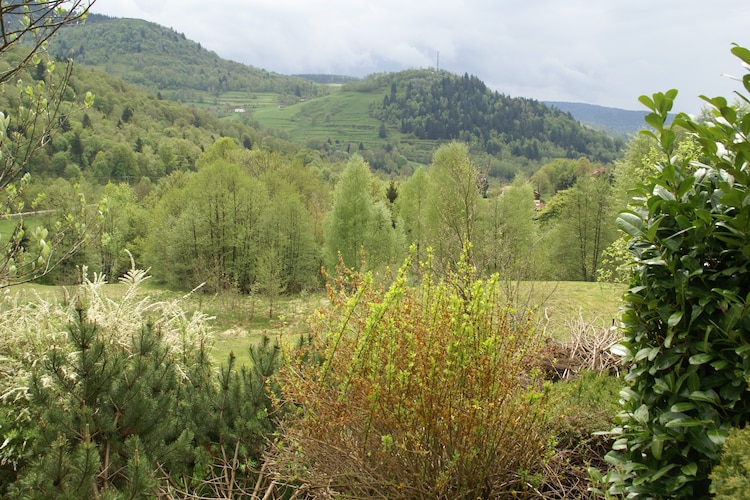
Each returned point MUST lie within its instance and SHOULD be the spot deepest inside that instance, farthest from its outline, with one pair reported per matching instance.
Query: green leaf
(708, 396)
(683, 407)
(630, 223)
(699, 359)
(674, 319)
(689, 469)
(684, 422)
(619, 350)
(685, 186)
(717, 436)
(657, 447)
(646, 101)
(663, 193)
(661, 472)
(655, 121)
(641, 414)
(742, 53)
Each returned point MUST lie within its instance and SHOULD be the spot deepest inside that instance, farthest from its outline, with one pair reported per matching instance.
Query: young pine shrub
(413, 392)
(119, 398)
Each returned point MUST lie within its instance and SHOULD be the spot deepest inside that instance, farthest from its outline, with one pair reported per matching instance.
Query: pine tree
(107, 414)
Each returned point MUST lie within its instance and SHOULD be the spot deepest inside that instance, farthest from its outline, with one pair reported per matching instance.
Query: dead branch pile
(587, 350)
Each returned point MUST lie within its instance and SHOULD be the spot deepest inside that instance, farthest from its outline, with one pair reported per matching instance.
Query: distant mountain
(439, 105)
(614, 121)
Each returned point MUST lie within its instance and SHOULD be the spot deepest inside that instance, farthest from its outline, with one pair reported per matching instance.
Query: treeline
(261, 222)
(442, 106)
(204, 200)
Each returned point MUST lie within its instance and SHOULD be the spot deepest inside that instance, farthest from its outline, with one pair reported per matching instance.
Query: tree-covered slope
(444, 106)
(395, 120)
(160, 59)
(126, 133)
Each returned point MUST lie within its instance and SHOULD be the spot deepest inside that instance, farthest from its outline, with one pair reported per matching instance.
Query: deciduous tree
(28, 252)
(358, 223)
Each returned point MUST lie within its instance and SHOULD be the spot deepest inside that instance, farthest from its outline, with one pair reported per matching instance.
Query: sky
(605, 52)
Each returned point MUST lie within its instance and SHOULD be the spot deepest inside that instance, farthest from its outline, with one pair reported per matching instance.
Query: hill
(395, 120)
(128, 133)
(160, 59)
(616, 122)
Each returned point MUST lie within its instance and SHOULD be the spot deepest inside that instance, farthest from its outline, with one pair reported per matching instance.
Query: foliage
(439, 105)
(730, 479)
(453, 210)
(578, 226)
(509, 239)
(639, 162)
(414, 392)
(32, 117)
(33, 24)
(219, 226)
(686, 314)
(359, 223)
(127, 402)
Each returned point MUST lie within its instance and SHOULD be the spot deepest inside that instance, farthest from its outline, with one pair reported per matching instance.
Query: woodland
(154, 195)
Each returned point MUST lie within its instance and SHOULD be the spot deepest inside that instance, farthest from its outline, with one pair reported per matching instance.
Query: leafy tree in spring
(454, 202)
(687, 313)
(28, 252)
(287, 227)
(412, 206)
(508, 230)
(358, 222)
(578, 224)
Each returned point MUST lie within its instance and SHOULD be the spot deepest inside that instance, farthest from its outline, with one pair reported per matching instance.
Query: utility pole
(437, 66)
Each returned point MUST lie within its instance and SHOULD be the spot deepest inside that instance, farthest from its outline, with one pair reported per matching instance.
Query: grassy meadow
(239, 321)
(342, 117)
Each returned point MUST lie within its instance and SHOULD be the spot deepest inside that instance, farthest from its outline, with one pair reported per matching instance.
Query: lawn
(241, 320)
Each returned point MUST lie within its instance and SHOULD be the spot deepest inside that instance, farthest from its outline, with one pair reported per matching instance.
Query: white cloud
(604, 53)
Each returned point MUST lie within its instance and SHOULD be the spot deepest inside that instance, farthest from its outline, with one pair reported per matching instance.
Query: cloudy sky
(605, 52)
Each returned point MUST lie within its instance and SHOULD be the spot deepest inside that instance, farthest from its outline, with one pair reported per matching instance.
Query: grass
(241, 320)
(564, 301)
(344, 116)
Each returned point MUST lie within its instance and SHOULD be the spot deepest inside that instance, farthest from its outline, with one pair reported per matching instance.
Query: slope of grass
(343, 117)
(240, 320)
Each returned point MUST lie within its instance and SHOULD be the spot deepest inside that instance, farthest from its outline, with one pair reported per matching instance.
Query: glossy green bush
(686, 317)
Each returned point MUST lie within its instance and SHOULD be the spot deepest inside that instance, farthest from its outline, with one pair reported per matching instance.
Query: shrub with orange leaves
(422, 391)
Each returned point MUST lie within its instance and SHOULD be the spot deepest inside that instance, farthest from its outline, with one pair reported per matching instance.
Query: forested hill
(160, 59)
(440, 105)
(391, 119)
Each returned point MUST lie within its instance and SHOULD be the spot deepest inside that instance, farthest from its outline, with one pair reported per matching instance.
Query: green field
(241, 320)
(342, 116)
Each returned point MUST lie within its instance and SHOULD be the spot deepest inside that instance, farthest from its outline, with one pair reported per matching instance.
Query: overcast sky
(605, 52)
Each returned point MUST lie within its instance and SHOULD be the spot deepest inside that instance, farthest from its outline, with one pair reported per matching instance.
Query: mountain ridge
(389, 129)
